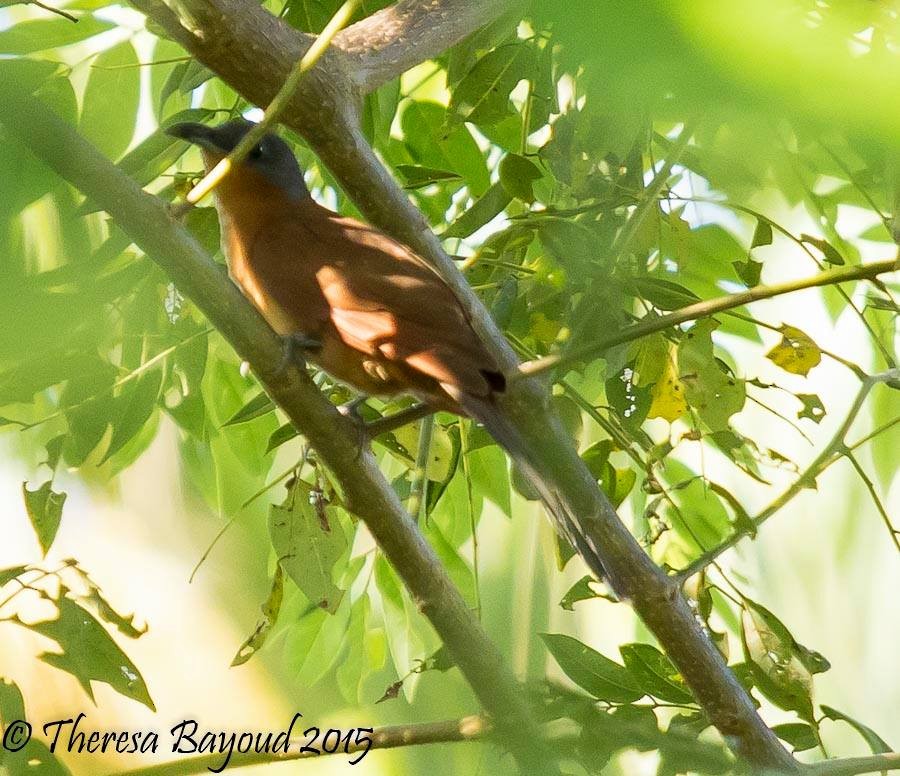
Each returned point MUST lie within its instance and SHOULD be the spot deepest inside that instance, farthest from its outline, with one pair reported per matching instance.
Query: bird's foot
(294, 348)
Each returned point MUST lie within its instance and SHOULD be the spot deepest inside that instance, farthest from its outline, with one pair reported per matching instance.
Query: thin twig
(850, 766)
(281, 100)
(701, 309)
(832, 452)
(466, 729)
(418, 487)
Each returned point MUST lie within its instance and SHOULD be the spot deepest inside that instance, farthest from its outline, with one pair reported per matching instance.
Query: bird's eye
(256, 153)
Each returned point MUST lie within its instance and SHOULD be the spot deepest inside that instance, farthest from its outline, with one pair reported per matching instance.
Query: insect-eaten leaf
(599, 676)
(309, 540)
(812, 407)
(668, 392)
(748, 271)
(780, 670)
(270, 609)
(710, 389)
(44, 507)
(580, 591)
(762, 235)
(89, 652)
(832, 255)
(796, 353)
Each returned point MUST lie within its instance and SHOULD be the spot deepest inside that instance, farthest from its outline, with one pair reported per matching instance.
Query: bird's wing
(385, 299)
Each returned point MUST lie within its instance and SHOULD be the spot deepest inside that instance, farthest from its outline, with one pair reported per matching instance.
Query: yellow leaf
(668, 392)
(796, 353)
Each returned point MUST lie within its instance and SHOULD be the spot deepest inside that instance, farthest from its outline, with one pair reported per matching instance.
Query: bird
(360, 305)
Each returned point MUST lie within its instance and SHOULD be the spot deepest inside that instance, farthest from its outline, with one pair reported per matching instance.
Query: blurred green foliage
(537, 149)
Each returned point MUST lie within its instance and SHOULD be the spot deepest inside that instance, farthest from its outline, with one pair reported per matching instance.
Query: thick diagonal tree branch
(253, 52)
(146, 220)
(396, 38)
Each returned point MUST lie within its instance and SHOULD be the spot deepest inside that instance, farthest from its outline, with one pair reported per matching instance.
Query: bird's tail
(508, 437)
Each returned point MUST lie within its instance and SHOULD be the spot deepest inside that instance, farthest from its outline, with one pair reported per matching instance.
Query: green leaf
(28, 74)
(482, 211)
(799, 735)
(352, 666)
(762, 235)
(518, 174)
(713, 393)
(748, 271)
(43, 34)
(876, 743)
(35, 757)
(270, 609)
(418, 177)
(664, 294)
(89, 653)
(777, 671)
(110, 103)
(258, 406)
(580, 591)
(884, 407)
(281, 435)
(654, 673)
(433, 145)
(829, 252)
(309, 540)
(812, 407)
(482, 96)
(134, 409)
(571, 243)
(9, 574)
(599, 676)
(44, 507)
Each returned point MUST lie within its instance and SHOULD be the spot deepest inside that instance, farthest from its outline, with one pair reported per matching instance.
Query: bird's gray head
(271, 157)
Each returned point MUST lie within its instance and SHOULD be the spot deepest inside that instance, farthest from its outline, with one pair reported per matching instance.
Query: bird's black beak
(198, 134)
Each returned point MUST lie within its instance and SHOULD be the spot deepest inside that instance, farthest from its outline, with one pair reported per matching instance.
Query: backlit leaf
(44, 507)
(599, 676)
(796, 353)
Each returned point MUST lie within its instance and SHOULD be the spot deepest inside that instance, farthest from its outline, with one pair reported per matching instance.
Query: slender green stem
(870, 486)
(281, 100)
(649, 198)
(418, 488)
(832, 452)
(701, 309)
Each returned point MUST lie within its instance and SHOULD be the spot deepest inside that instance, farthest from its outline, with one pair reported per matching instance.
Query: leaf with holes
(777, 672)
(812, 407)
(309, 540)
(796, 353)
(710, 390)
(270, 609)
(89, 652)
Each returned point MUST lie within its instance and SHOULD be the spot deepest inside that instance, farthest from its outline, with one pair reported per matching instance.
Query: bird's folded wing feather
(385, 300)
